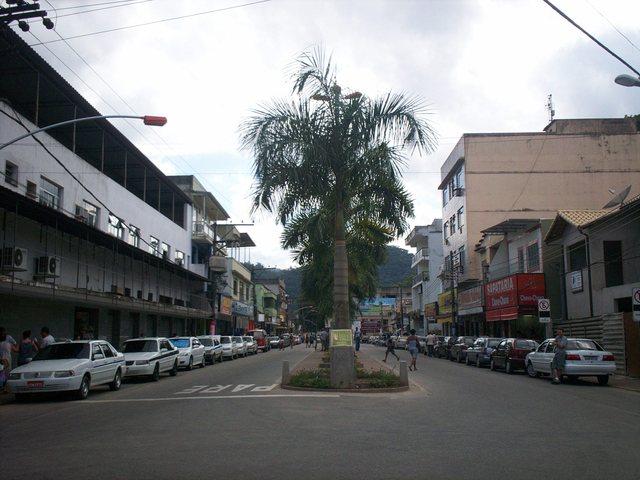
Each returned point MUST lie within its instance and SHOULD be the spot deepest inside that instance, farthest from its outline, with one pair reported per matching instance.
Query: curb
(346, 390)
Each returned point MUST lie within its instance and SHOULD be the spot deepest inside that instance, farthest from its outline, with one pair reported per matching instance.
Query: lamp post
(150, 120)
(628, 80)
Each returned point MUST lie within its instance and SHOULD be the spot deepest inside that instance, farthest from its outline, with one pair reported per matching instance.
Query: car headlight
(15, 376)
(142, 362)
(63, 374)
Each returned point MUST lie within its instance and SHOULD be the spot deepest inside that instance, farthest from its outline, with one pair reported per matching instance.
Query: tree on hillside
(338, 155)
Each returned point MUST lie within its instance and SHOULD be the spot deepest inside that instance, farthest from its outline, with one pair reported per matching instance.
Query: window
(460, 177)
(577, 256)
(50, 193)
(533, 257)
(612, 253)
(445, 195)
(134, 236)
(235, 287)
(32, 190)
(179, 257)
(108, 353)
(452, 186)
(11, 173)
(116, 228)
(96, 350)
(460, 218)
(452, 225)
(461, 258)
(520, 259)
(166, 250)
(446, 230)
(92, 213)
(154, 245)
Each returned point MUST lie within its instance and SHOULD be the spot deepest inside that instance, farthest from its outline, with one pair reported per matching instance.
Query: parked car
(150, 357)
(480, 352)
(261, 339)
(69, 367)
(274, 342)
(229, 347)
(510, 354)
(241, 344)
(585, 358)
(191, 352)
(443, 347)
(252, 346)
(458, 351)
(286, 339)
(212, 348)
(401, 341)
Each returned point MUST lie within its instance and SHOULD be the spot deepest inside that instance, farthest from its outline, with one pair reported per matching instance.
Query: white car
(69, 367)
(252, 345)
(585, 358)
(191, 352)
(212, 348)
(150, 357)
(242, 345)
(229, 347)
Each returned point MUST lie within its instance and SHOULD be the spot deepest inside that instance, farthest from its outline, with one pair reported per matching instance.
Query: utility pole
(21, 11)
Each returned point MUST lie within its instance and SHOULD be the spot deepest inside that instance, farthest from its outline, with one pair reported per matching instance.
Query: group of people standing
(26, 349)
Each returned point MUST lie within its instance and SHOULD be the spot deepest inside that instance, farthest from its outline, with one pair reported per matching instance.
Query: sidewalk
(620, 381)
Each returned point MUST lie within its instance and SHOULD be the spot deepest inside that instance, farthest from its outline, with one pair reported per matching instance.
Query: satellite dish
(619, 198)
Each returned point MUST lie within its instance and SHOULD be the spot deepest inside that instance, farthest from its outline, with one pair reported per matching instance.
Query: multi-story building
(96, 240)
(492, 177)
(266, 301)
(426, 286)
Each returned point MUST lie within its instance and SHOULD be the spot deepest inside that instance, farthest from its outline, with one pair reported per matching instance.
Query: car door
(111, 363)
(499, 354)
(98, 364)
(197, 349)
(537, 358)
(166, 359)
(547, 357)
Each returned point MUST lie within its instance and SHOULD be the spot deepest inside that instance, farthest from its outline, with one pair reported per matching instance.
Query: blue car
(479, 353)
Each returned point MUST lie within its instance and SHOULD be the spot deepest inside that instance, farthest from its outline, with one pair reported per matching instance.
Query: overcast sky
(483, 66)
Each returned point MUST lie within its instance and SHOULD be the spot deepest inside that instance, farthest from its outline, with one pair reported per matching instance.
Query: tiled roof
(579, 218)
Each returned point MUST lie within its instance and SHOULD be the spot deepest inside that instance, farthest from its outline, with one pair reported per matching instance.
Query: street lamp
(151, 120)
(627, 80)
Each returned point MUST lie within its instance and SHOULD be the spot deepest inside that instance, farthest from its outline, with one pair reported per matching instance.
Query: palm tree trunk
(340, 272)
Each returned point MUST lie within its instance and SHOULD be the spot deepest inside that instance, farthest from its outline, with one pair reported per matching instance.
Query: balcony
(419, 278)
(202, 232)
(421, 255)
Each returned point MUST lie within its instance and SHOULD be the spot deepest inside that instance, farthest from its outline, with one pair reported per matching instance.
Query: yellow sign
(341, 338)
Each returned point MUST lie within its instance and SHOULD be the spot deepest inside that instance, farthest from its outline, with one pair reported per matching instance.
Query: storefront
(511, 305)
(242, 317)
(224, 318)
(471, 310)
(445, 309)
(430, 314)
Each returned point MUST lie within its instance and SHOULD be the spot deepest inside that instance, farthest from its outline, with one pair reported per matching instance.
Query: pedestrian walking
(323, 340)
(281, 344)
(7, 345)
(431, 343)
(27, 348)
(357, 337)
(560, 356)
(390, 349)
(413, 345)
(47, 338)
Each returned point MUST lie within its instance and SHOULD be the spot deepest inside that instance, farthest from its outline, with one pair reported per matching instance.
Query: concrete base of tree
(343, 367)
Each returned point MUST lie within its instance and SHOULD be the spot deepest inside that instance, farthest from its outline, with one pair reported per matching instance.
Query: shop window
(11, 173)
(577, 256)
(533, 257)
(612, 252)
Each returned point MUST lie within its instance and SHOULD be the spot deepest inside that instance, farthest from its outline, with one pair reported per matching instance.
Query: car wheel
(117, 381)
(83, 391)
(507, 367)
(204, 362)
(155, 376)
(532, 371)
(174, 370)
(492, 365)
(603, 379)
(190, 366)
(478, 364)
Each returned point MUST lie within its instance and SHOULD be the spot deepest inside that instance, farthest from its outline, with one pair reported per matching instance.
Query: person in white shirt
(47, 338)
(431, 343)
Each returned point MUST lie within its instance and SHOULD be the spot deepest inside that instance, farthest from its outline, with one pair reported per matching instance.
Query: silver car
(585, 358)
(212, 348)
(241, 344)
(252, 345)
(229, 347)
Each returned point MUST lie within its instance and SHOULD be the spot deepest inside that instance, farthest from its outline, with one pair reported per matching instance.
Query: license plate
(35, 384)
(590, 357)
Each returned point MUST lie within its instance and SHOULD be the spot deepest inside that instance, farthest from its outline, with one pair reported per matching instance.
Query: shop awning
(502, 314)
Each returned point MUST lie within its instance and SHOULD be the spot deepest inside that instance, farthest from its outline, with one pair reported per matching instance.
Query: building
(96, 240)
(492, 177)
(426, 286)
(266, 302)
(275, 295)
(601, 268)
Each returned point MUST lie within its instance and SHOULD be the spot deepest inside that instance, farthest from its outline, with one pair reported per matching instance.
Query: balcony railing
(202, 231)
(420, 255)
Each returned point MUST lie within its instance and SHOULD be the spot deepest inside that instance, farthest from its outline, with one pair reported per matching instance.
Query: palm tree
(338, 154)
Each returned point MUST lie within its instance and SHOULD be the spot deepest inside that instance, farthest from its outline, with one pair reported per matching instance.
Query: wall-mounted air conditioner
(14, 259)
(48, 266)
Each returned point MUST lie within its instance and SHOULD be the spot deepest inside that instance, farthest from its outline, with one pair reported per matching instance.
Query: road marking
(266, 388)
(193, 389)
(205, 389)
(216, 389)
(242, 387)
(217, 397)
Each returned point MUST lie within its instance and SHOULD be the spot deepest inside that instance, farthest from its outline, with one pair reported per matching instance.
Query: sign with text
(636, 304)
(431, 310)
(471, 298)
(544, 310)
(225, 305)
(341, 338)
(444, 302)
(522, 289)
(575, 279)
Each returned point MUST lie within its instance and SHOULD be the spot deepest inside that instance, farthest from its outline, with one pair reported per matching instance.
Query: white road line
(242, 387)
(218, 397)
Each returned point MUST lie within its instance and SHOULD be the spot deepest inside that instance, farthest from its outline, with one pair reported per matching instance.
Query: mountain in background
(393, 271)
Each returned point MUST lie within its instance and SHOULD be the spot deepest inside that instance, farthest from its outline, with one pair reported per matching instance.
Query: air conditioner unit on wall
(14, 259)
(48, 266)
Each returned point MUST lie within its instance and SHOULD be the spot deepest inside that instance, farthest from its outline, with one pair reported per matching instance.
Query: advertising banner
(470, 301)
(225, 305)
(444, 302)
(430, 311)
(522, 289)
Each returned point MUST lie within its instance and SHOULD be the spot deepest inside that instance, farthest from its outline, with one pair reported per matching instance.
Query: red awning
(502, 314)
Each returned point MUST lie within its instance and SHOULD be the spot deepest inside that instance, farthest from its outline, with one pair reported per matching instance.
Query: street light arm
(148, 120)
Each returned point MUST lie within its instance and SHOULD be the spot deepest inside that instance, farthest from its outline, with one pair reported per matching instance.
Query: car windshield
(206, 341)
(181, 342)
(525, 344)
(237, 339)
(257, 334)
(583, 345)
(493, 342)
(225, 340)
(136, 346)
(468, 340)
(248, 339)
(63, 351)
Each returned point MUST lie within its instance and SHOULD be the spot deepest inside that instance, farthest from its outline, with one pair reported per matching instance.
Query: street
(233, 420)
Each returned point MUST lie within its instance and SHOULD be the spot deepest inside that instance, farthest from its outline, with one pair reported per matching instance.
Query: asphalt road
(231, 420)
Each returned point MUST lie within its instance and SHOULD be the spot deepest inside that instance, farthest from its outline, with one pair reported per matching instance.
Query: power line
(129, 3)
(84, 5)
(614, 27)
(568, 19)
(154, 22)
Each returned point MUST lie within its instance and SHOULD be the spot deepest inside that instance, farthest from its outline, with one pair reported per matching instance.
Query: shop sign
(240, 308)
(341, 338)
(471, 298)
(444, 302)
(635, 295)
(431, 310)
(523, 289)
(576, 281)
(261, 318)
(226, 305)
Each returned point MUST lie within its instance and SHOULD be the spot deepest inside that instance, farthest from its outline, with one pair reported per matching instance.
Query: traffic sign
(544, 310)
(636, 304)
